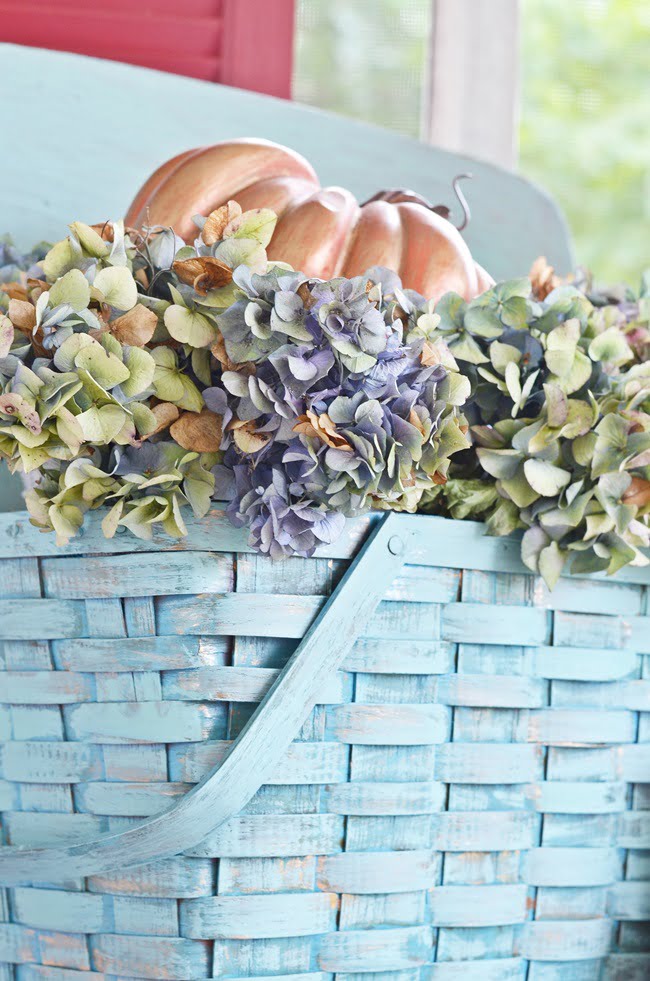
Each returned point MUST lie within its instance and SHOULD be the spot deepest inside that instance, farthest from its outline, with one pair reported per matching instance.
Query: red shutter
(247, 43)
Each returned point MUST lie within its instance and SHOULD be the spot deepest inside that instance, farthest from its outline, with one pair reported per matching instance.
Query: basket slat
(468, 800)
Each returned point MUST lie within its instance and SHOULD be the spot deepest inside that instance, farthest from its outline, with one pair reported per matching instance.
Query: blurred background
(556, 89)
(579, 97)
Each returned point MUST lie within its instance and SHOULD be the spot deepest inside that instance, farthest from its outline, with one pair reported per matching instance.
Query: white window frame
(471, 103)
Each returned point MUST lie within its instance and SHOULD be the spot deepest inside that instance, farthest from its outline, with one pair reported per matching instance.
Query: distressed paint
(466, 798)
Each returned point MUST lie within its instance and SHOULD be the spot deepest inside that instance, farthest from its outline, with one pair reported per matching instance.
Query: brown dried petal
(247, 438)
(204, 273)
(305, 295)
(22, 315)
(15, 291)
(323, 428)
(304, 427)
(198, 431)
(136, 327)
(105, 230)
(431, 355)
(543, 278)
(415, 420)
(638, 493)
(216, 222)
(166, 413)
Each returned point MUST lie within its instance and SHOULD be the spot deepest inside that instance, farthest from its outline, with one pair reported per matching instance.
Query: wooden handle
(255, 753)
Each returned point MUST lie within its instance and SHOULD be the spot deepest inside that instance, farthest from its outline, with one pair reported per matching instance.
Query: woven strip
(467, 800)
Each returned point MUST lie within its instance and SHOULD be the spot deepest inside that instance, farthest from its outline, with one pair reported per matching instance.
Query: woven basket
(464, 801)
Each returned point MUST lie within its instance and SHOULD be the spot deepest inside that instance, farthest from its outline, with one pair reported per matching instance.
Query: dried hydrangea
(333, 411)
(144, 376)
(104, 355)
(557, 439)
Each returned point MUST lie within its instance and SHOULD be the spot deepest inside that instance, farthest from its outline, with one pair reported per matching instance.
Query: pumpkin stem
(462, 200)
(402, 195)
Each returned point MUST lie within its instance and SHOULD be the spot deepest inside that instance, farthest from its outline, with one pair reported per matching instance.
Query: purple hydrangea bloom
(349, 414)
(281, 521)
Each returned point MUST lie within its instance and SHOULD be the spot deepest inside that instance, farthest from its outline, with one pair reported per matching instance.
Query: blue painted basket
(208, 769)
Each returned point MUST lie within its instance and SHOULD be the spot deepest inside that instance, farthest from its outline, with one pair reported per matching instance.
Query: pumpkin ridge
(321, 239)
(136, 214)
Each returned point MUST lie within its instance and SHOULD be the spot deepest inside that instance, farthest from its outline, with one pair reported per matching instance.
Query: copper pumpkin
(323, 231)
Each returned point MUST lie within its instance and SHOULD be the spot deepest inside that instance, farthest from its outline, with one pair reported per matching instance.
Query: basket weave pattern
(467, 801)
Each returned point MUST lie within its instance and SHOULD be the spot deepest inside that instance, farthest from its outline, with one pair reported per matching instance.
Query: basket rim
(439, 542)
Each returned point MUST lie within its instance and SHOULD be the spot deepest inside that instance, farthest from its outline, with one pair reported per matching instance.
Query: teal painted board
(459, 791)
(513, 223)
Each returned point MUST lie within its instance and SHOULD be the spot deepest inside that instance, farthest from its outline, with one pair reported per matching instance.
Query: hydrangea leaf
(557, 405)
(545, 478)
(90, 240)
(66, 521)
(198, 488)
(483, 321)
(33, 458)
(141, 367)
(167, 379)
(534, 541)
(106, 369)
(502, 354)
(470, 498)
(111, 520)
(582, 449)
(62, 257)
(73, 289)
(499, 463)
(610, 347)
(451, 309)
(466, 349)
(201, 365)
(578, 375)
(550, 563)
(513, 382)
(144, 419)
(142, 514)
(511, 288)
(26, 437)
(455, 389)
(620, 554)
(610, 444)
(117, 287)
(191, 399)
(514, 312)
(173, 523)
(69, 430)
(518, 489)
(101, 424)
(189, 326)
(242, 252)
(257, 224)
(504, 519)
(598, 524)
(561, 346)
(580, 419)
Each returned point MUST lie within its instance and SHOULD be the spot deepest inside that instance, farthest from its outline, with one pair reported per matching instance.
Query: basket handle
(259, 747)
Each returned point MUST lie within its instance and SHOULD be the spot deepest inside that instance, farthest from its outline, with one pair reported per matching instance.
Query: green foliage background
(585, 124)
(585, 102)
